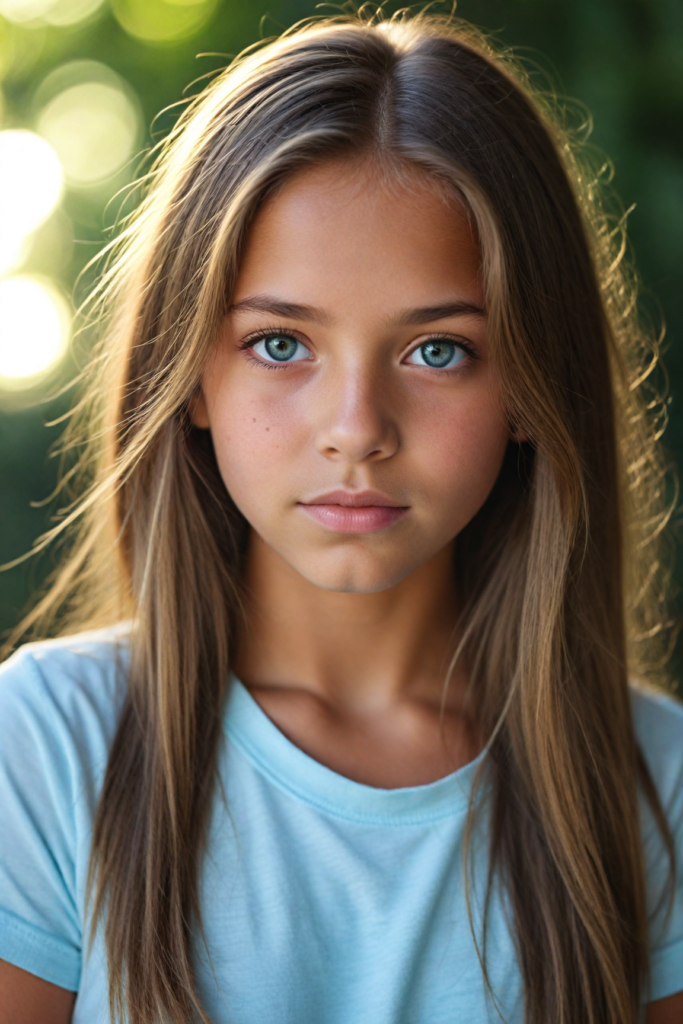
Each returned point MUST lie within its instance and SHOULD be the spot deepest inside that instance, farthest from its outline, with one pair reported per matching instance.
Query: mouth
(354, 511)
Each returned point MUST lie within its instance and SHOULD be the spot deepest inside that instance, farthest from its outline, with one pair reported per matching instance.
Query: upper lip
(354, 499)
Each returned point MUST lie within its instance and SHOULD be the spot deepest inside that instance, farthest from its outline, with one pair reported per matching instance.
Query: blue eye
(439, 354)
(281, 348)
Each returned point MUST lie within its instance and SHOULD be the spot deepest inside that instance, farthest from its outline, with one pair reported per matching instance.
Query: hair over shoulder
(559, 571)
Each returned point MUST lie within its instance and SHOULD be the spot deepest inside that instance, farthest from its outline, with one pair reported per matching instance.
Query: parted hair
(559, 574)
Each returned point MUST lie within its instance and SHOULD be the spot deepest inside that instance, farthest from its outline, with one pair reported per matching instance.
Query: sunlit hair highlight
(559, 573)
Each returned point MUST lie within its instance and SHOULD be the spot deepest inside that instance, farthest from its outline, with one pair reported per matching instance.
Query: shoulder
(60, 702)
(64, 693)
(658, 723)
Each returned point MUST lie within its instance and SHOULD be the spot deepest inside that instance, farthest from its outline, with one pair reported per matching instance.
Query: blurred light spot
(24, 10)
(55, 12)
(30, 179)
(14, 250)
(92, 121)
(70, 12)
(30, 188)
(35, 323)
(163, 21)
(74, 72)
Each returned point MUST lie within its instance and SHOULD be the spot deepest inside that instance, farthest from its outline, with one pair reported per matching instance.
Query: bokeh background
(82, 83)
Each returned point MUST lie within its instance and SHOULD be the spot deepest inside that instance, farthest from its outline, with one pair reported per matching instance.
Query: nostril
(356, 428)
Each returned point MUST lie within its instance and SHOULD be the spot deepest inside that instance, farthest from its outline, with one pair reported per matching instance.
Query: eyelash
(272, 332)
(465, 346)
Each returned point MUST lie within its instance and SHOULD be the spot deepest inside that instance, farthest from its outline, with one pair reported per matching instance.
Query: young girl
(355, 726)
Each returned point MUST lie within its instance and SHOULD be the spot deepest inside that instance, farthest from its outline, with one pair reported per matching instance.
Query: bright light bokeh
(14, 250)
(54, 12)
(163, 21)
(94, 126)
(70, 12)
(35, 323)
(31, 182)
(24, 10)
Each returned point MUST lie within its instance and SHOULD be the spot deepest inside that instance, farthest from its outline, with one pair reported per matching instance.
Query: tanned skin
(349, 632)
(25, 999)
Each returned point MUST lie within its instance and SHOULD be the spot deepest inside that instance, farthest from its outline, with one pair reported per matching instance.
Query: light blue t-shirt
(324, 901)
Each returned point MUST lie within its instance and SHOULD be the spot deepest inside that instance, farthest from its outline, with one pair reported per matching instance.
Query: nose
(357, 422)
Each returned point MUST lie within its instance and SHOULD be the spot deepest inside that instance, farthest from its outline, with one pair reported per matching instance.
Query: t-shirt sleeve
(659, 727)
(40, 926)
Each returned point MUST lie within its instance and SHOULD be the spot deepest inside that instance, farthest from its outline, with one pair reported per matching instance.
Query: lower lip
(355, 518)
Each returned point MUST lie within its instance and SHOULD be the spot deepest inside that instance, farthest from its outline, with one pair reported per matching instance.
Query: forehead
(340, 231)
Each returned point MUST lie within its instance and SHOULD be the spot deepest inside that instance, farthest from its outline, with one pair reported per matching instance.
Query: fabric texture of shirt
(323, 900)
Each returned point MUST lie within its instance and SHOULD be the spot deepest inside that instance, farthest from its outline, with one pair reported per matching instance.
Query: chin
(361, 575)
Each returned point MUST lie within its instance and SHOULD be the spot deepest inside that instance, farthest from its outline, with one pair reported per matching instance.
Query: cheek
(461, 451)
(256, 438)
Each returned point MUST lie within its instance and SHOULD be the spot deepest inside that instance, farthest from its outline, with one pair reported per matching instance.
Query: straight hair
(559, 573)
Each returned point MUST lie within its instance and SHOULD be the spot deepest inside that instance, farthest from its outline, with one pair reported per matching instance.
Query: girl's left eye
(439, 354)
(281, 348)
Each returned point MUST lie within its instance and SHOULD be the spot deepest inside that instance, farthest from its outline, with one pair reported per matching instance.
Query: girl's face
(355, 415)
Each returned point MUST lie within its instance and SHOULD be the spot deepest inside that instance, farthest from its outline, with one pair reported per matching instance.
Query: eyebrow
(408, 317)
(278, 307)
(425, 314)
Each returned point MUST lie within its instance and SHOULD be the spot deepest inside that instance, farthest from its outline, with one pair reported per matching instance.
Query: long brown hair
(558, 572)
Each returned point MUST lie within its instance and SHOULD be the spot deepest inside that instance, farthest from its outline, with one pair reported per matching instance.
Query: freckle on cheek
(267, 429)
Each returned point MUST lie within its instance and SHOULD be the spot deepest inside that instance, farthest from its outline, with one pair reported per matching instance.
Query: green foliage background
(623, 59)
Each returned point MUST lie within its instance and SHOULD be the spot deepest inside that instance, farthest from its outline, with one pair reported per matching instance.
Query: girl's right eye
(281, 348)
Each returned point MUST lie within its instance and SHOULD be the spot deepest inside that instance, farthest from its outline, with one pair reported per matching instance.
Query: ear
(516, 433)
(196, 407)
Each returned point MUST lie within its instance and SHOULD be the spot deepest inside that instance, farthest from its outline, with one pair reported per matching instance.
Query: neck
(353, 650)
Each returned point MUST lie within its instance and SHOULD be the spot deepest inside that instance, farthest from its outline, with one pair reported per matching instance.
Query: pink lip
(354, 512)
